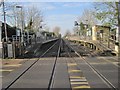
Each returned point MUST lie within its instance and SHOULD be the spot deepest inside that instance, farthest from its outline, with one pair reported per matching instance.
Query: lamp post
(22, 41)
(21, 23)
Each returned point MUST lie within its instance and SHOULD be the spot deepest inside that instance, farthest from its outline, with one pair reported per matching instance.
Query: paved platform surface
(109, 70)
(70, 72)
(38, 76)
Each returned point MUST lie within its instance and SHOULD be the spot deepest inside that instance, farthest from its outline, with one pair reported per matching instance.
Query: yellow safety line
(80, 80)
(76, 77)
(70, 71)
(16, 65)
(79, 83)
(83, 86)
(72, 64)
(4, 70)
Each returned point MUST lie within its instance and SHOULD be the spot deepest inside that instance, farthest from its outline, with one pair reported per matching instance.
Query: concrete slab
(38, 76)
(9, 78)
(93, 79)
(61, 79)
(109, 70)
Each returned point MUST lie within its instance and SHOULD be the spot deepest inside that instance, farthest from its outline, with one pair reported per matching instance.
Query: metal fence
(13, 48)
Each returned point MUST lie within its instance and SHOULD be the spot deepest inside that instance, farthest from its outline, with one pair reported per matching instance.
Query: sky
(61, 14)
(64, 14)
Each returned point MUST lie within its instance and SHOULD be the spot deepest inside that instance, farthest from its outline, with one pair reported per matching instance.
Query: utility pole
(5, 28)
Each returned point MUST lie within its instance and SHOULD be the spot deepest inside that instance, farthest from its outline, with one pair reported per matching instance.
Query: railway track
(104, 79)
(59, 56)
(50, 86)
(77, 78)
(95, 54)
(33, 64)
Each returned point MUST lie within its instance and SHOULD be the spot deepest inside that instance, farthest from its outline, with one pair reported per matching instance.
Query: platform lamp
(22, 41)
(21, 23)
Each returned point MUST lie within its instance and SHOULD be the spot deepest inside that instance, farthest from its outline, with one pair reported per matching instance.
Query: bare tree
(10, 12)
(34, 18)
(56, 30)
(67, 33)
(75, 30)
(88, 18)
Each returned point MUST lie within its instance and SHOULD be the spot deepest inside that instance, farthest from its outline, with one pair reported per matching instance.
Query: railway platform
(59, 65)
(98, 46)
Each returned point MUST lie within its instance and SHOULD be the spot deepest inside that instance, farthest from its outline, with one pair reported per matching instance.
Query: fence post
(14, 54)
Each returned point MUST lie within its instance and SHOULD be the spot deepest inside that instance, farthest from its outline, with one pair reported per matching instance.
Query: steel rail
(51, 82)
(95, 70)
(117, 65)
(73, 60)
(104, 59)
(7, 87)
